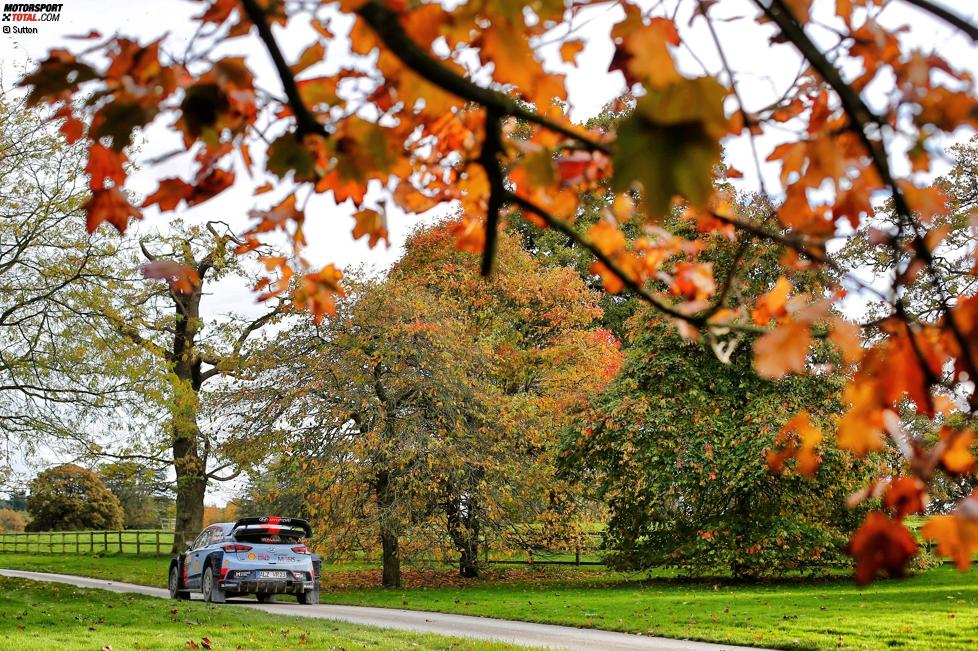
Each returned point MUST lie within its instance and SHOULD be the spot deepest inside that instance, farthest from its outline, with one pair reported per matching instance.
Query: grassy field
(60, 617)
(936, 610)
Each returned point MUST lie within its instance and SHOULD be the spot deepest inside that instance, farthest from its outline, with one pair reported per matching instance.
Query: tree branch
(492, 146)
(947, 16)
(306, 122)
(384, 22)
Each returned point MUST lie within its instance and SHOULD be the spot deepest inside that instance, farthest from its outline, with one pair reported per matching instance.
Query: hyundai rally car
(261, 556)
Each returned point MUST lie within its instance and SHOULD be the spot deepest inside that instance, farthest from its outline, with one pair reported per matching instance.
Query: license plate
(271, 574)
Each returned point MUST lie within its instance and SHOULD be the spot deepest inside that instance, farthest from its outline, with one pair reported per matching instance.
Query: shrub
(71, 498)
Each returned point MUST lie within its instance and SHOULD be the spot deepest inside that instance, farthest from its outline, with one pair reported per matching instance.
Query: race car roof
(271, 524)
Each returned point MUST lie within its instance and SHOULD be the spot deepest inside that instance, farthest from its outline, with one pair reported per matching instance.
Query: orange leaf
(958, 458)
(772, 304)
(905, 495)
(570, 49)
(956, 536)
(371, 223)
(783, 350)
(318, 291)
(860, 428)
(648, 57)
(846, 336)
(881, 545)
(309, 57)
(169, 194)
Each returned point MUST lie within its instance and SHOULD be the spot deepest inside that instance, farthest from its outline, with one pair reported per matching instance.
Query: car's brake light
(237, 548)
(301, 549)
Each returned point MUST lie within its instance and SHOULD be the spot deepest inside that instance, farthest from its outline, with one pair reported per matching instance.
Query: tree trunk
(189, 464)
(191, 477)
(388, 532)
(392, 560)
(463, 528)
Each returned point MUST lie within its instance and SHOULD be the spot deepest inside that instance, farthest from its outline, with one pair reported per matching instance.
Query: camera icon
(6, 29)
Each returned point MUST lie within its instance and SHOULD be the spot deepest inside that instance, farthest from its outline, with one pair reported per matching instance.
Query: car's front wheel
(209, 587)
(174, 584)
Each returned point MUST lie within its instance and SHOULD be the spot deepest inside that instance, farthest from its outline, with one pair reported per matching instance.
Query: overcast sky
(762, 72)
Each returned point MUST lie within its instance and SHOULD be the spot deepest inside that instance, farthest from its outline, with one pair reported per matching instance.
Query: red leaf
(169, 194)
(180, 278)
(110, 206)
(103, 163)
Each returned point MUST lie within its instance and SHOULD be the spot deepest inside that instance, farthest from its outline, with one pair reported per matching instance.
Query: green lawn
(936, 610)
(53, 616)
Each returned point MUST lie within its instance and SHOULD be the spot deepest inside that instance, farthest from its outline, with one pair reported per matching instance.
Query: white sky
(762, 70)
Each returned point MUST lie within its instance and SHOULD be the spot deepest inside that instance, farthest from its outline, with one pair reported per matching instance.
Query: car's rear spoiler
(272, 525)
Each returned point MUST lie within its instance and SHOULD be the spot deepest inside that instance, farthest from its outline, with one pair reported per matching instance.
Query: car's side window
(199, 540)
(215, 535)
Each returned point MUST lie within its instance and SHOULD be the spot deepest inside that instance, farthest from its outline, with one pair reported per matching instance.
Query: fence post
(139, 538)
(120, 541)
(91, 542)
(105, 542)
(577, 554)
(77, 543)
(158, 552)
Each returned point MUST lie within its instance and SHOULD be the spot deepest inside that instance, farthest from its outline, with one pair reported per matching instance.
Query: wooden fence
(143, 542)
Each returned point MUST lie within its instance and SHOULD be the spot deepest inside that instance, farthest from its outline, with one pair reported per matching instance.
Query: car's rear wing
(272, 525)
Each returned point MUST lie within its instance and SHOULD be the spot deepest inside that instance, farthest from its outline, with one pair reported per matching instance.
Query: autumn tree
(543, 353)
(429, 406)
(12, 521)
(71, 498)
(679, 449)
(453, 104)
(150, 323)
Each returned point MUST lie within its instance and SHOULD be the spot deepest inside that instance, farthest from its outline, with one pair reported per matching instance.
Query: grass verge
(52, 616)
(934, 610)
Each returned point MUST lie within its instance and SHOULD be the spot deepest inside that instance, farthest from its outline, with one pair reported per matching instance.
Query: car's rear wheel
(310, 598)
(266, 598)
(209, 587)
(174, 584)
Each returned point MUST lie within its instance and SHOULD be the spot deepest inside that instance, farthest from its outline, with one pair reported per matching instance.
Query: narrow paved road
(483, 628)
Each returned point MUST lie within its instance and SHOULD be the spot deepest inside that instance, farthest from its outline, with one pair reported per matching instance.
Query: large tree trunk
(190, 471)
(388, 532)
(189, 464)
(463, 528)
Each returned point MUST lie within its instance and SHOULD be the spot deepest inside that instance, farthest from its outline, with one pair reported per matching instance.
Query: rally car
(262, 556)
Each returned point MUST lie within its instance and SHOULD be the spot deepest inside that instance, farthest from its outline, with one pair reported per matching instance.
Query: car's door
(194, 561)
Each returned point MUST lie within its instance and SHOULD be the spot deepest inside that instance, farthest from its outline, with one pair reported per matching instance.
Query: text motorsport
(29, 13)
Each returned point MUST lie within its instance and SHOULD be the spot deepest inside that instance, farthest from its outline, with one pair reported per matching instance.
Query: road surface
(483, 628)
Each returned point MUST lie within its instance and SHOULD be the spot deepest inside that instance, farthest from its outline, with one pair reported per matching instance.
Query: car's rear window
(266, 538)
